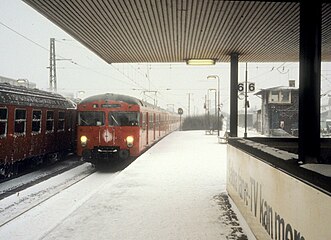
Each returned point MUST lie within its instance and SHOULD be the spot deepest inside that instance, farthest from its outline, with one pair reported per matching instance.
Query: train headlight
(129, 141)
(83, 141)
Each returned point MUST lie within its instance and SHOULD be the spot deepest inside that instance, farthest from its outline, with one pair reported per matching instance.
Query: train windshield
(91, 118)
(123, 119)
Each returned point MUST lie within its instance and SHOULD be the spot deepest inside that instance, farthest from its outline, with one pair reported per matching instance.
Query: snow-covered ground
(175, 190)
(22, 201)
(38, 175)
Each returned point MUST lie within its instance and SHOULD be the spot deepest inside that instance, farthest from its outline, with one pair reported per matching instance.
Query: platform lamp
(79, 93)
(200, 62)
(218, 100)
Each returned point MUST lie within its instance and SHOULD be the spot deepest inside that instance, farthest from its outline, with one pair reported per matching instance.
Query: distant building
(17, 82)
(326, 117)
(250, 119)
(279, 111)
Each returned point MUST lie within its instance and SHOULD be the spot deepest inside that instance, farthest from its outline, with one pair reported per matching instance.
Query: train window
(20, 121)
(50, 121)
(3, 121)
(123, 118)
(91, 118)
(36, 121)
(60, 123)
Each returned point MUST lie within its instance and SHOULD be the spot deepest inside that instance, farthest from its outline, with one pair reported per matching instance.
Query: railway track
(20, 200)
(18, 184)
(62, 191)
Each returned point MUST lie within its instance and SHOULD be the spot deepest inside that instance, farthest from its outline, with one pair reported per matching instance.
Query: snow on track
(34, 223)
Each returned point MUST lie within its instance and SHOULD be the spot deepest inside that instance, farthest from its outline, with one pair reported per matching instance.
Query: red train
(112, 125)
(34, 125)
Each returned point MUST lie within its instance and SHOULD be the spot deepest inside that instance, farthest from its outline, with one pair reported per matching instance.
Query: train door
(147, 126)
(159, 124)
(4, 136)
(109, 128)
(151, 127)
(36, 136)
(20, 144)
(154, 126)
(61, 138)
(49, 139)
(142, 131)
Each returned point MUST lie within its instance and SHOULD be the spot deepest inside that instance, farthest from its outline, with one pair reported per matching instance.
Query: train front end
(108, 128)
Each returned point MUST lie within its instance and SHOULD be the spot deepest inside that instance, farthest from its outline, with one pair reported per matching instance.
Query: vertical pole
(205, 107)
(156, 99)
(189, 104)
(215, 109)
(218, 105)
(215, 104)
(234, 95)
(52, 67)
(180, 122)
(208, 109)
(309, 77)
(245, 133)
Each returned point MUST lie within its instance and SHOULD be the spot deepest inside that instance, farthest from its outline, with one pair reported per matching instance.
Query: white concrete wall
(274, 204)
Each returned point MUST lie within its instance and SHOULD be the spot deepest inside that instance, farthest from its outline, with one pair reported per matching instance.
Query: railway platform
(175, 190)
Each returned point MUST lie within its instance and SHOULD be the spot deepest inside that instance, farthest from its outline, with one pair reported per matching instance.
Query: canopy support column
(234, 95)
(310, 84)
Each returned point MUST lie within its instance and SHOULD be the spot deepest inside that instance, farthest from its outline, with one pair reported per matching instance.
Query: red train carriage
(112, 125)
(34, 125)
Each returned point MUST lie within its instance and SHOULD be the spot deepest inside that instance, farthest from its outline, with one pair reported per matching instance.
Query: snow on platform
(175, 190)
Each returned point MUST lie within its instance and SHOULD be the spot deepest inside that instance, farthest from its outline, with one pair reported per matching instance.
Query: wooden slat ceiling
(176, 30)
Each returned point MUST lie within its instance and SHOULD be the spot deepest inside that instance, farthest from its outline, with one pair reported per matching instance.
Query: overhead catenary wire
(70, 61)
(26, 38)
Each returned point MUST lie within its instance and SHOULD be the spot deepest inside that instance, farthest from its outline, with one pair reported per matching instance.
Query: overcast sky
(25, 40)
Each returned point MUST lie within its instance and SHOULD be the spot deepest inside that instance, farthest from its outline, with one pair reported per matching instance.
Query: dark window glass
(123, 119)
(61, 121)
(20, 121)
(285, 96)
(3, 122)
(3, 114)
(49, 121)
(36, 121)
(61, 115)
(91, 118)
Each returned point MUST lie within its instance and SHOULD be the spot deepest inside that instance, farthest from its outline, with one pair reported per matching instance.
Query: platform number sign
(241, 87)
(180, 111)
(250, 87)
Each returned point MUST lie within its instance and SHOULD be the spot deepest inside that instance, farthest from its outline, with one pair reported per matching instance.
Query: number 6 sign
(251, 87)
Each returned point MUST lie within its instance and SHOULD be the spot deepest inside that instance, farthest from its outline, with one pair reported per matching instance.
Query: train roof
(113, 97)
(22, 96)
(120, 98)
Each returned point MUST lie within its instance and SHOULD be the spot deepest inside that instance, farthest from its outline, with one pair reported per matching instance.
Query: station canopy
(121, 31)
